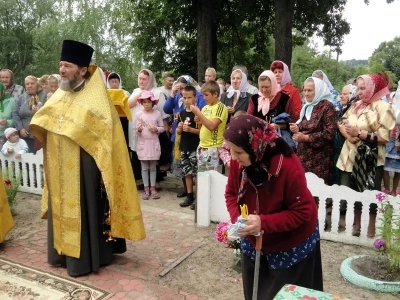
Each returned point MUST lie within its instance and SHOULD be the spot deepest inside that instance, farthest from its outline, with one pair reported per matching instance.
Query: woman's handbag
(364, 168)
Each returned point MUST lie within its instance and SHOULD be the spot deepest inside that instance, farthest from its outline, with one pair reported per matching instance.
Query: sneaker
(187, 202)
(193, 206)
(181, 194)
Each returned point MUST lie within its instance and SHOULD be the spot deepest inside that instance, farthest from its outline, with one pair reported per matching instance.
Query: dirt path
(207, 272)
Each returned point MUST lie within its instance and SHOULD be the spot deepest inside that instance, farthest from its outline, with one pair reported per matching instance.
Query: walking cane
(257, 264)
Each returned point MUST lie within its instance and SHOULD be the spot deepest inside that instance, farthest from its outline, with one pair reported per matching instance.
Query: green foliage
(389, 233)
(12, 181)
(387, 58)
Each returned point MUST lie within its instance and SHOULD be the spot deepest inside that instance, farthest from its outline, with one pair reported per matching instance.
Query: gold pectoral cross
(60, 121)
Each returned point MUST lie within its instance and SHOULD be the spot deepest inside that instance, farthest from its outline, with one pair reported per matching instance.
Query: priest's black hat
(76, 52)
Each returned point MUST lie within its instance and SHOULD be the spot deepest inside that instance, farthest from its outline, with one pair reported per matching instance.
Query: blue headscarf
(322, 92)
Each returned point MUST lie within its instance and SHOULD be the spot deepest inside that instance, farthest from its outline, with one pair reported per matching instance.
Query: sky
(370, 25)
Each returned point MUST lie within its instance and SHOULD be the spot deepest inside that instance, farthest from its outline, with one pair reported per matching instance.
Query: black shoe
(188, 201)
(181, 194)
(193, 206)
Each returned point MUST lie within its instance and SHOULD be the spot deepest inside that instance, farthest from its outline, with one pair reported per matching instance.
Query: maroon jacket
(288, 211)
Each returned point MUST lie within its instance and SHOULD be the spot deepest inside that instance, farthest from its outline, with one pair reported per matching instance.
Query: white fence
(211, 200)
(211, 206)
(31, 166)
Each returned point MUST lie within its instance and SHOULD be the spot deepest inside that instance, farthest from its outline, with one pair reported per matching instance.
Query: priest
(90, 197)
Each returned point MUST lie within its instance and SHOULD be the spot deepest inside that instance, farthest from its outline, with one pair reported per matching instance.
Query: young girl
(149, 124)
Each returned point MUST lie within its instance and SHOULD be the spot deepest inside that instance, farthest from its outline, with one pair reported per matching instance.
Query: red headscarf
(253, 135)
(375, 89)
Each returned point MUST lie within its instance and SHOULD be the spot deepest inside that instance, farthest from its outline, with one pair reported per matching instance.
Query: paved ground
(171, 233)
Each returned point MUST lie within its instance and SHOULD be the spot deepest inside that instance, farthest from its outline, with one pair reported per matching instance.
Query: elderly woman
(27, 104)
(237, 97)
(173, 106)
(283, 78)
(321, 75)
(315, 130)
(371, 117)
(7, 78)
(263, 167)
(7, 104)
(348, 96)
(270, 102)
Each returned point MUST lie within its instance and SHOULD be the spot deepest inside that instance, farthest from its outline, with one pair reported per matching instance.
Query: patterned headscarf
(3, 96)
(254, 136)
(286, 78)
(375, 89)
(264, 102)
(320, 73)
(242, 88)
(353, 96)
(189, 80)
(152, 83)
(322, 92)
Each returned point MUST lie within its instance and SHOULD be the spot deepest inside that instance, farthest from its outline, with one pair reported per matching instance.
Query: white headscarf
(242, 88)
(152, 83)
(119, 77)
(322, 92)
(319, 73)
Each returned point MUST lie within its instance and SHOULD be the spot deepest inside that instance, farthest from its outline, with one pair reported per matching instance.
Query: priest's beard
(68, 85)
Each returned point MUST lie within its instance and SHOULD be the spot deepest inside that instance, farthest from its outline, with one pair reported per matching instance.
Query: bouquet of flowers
(221, 234)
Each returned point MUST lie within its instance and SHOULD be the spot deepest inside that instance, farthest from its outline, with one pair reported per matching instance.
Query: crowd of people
(266, 138)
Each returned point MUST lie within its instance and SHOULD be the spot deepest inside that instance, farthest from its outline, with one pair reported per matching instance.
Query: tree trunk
(284, 13)
(206, 38)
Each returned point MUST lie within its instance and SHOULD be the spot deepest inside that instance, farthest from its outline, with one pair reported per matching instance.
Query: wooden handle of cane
(259, 241)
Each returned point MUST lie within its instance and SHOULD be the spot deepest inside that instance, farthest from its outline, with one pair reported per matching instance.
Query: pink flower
(379, 243)
(380, 197)
(221, 233)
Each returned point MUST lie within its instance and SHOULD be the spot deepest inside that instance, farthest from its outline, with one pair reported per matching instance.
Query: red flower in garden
(8, 183)
(309, 298)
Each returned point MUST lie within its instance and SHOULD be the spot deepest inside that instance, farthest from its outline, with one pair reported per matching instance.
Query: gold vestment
(87, 119)
(6, 220)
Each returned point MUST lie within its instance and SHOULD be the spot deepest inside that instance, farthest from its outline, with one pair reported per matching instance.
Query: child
(189, 131)
(53, 83)
(14, 144)
(213, 118)
(148, 125)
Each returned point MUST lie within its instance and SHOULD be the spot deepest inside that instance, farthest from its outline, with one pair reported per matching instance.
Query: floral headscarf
(320, 73)
(322, 92)
(3, 96)
(286, 78)
(253, 135)
(189, 80)
(375, 89)
(264, 102)
(152, 83)
(242, 88)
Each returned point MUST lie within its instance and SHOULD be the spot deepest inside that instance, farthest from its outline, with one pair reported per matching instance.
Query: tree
(387, 57)
(17, 19)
